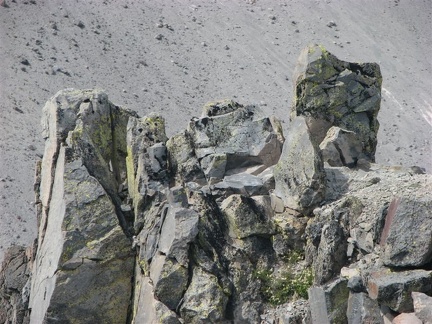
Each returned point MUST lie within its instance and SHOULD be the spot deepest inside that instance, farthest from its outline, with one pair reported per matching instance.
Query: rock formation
(229, 220)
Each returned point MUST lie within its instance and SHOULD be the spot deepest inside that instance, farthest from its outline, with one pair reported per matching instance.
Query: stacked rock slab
(84, 263)
(199, 229)
(330, 92)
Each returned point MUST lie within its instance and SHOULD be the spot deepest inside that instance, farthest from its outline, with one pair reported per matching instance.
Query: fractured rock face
(84, 263)
(15, 285)
(408, 240)
(235, 139)
(393, 289)
(331, 92)
(299, 174)
(341, 147)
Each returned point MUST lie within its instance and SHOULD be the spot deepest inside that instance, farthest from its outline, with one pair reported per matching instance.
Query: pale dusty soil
(245, 50)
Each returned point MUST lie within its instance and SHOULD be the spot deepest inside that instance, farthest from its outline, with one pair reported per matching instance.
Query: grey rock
(393, 289)
(169, 279)
(179, 229)
(408, 241)
(331, 92)
(245, 217)
(341, 147)
(242, 183)
(331, 253)
(14, 279)
(204, 300)
(299, 174)
(83, 257)
(336, 294)
(422, 306)
(318, 305)
(362, 309)
(147, 309)
(407, 318)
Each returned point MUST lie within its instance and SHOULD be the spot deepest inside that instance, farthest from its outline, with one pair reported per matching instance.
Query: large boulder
(393, 289)
(331, 92)
(407, 236)
(299, 173)
(230, 138)
(341, 147)
(84, 263)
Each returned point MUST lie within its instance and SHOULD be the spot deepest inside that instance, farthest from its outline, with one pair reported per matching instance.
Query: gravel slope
(173, 56)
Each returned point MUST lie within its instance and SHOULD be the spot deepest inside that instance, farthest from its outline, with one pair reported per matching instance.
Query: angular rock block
(407, 235)
(422, 306)
(341, 148)
(331, 253)
(393, 289)
(299, 174)
(407, 318)
(362, 309)
(329, 304)
(84, 263)
(245, 218)
(14, 285)
(233, 138)
(204, 300)
(331, 92)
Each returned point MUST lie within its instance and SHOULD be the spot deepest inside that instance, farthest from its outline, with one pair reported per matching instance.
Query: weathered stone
(234, 137)
(331, 253)
(407, 318)
(341, 147)
(242, 183)
(318, 305)
(146, 162)
(179, 229)
(169, 281)
(336, 295)
(299, 174)
(362, 309)
(147, 309)
(422, 306)
(245, 217)
(84, 258)
(204, 300)
(408, 242)
(14, 285)
(331, 92)
(290, 231)
(393, 289)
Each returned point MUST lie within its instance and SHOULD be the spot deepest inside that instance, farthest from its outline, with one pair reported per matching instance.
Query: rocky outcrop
(330, 92)
(15, 285)
(299, 174)
(229, 220)
(84, 261)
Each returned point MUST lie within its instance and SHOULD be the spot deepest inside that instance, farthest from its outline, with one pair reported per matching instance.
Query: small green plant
(286, 286)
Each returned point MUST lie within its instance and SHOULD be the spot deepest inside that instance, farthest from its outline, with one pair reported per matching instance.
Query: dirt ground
(173, 56)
